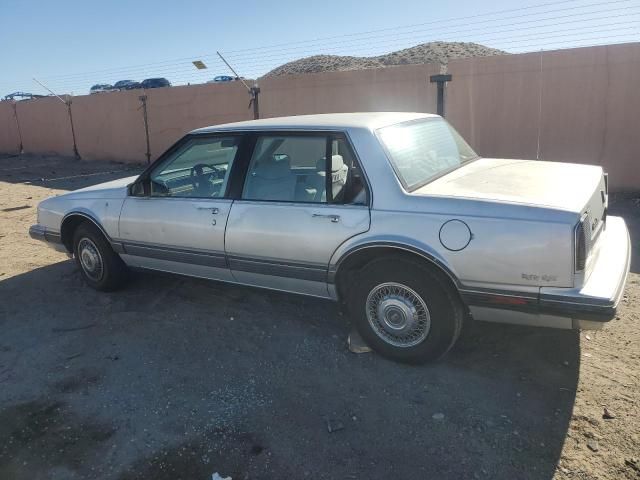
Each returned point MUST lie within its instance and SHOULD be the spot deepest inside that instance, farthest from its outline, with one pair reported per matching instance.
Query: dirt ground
(174, 378)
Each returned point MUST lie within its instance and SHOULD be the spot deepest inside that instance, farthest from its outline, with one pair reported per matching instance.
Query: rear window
(422, 150)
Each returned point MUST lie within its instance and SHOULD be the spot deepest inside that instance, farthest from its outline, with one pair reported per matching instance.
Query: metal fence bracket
(441, 80)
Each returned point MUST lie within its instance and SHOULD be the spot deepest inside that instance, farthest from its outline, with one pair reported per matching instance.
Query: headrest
(337, 163)
(272, 168)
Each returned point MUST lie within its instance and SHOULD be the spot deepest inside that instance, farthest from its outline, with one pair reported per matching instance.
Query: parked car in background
(391, 214)
(155, 83)
(126, 85)
(223, 78)
(22, 96)
(101, 88)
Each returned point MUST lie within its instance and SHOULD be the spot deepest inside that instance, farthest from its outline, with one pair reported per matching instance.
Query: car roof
(329, 121)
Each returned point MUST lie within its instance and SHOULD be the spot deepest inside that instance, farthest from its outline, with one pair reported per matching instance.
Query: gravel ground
(174, 378)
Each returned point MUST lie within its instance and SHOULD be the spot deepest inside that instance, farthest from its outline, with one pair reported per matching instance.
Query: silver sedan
(391, 214)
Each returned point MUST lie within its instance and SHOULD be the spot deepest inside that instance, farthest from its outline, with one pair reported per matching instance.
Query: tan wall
(578, 105)
(9, 135)
(403, 88)
(494, 104)
(45, 126)
(581, 106)
(591, 110)
(110, 126)
(178, 110)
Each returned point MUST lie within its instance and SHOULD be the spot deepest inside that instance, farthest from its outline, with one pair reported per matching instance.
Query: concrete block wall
(575, 105)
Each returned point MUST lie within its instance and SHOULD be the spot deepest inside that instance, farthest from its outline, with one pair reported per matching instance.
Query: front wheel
(406, 311)
(101, 267)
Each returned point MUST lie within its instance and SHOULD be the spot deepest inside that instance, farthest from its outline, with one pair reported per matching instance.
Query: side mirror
(139, 188)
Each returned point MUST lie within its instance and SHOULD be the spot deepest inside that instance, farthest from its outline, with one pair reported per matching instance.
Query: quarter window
(199, 169)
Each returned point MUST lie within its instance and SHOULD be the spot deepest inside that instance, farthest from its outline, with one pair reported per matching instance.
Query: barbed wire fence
(551, 25)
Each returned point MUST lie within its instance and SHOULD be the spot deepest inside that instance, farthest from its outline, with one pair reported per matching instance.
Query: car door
(294, 210)
(176, 216)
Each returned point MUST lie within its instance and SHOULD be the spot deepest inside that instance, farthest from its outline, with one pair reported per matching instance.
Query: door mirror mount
(139, 188)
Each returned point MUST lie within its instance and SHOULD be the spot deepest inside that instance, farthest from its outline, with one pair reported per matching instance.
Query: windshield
(422, 150)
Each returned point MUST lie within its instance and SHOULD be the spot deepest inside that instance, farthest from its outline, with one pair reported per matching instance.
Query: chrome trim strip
(298, 270)
(586, 302)
(273, 261)
(482, 295)
(196, 257)
(312, 272)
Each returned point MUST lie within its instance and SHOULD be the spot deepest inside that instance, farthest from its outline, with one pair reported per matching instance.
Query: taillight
(581, 244)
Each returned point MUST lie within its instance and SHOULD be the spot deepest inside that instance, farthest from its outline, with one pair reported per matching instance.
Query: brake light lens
(581, 245)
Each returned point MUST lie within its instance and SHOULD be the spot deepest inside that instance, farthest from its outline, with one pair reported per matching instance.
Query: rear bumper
(51, 238)
(588, 307)
(597, 300)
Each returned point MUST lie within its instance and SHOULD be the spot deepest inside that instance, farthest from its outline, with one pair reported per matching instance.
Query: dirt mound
(433, 52)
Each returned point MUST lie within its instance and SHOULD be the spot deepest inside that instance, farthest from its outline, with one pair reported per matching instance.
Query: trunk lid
(563, 186)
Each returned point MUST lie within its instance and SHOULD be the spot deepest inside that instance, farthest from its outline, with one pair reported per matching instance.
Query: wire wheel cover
(398, 315)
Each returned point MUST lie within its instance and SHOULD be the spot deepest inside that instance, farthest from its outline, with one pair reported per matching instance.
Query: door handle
(214, 210)
(333, 218)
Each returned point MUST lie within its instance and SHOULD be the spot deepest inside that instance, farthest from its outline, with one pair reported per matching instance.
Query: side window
(287, 168)
(293, 168)
(199, 169)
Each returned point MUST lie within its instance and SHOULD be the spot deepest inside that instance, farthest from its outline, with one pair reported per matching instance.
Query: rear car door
(294, 210)
(176, 216)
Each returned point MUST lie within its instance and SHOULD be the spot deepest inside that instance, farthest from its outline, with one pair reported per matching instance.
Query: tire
(100, 266)
(422, 316)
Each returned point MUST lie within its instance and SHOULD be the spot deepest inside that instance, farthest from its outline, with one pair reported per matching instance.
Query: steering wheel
(201, 181)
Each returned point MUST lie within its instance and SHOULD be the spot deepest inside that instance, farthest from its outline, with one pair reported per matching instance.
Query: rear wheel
(405, 311)
(100, 266)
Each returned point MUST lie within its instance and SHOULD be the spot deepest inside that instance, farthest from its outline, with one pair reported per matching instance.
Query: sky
(70, 45)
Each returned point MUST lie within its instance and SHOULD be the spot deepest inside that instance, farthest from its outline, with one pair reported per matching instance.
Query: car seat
(271, 179)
